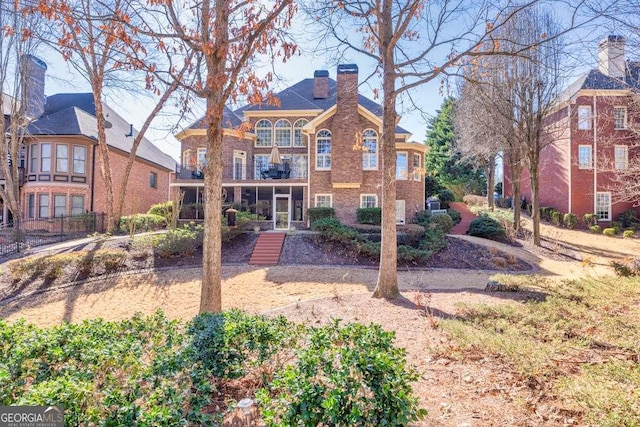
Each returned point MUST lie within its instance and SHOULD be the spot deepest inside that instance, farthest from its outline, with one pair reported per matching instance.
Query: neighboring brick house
(590, 128)
(314, 163)
(61, 162)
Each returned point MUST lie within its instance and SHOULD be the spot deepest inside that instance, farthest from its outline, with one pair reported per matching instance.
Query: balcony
(241, 173)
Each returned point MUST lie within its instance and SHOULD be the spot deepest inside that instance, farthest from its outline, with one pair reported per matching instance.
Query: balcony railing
(259, 172)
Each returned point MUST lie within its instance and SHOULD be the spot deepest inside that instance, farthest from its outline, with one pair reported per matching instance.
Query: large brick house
(300, 154)
(60, 161)
(592, 138)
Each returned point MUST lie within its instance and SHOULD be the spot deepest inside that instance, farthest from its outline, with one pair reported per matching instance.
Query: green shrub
(243, 221)
(422, 217)
(628, 234)
(629, 218)
(486, 227)
(556, 218)
(344, 376)
(142, 222)
(326, 224)
(609, 231)
(546, 213)
(595, 229)
(629, 267)
(446, 196)
(369, 216)
(178, 241)
(455, 216)
(589, 219)
(617, 225)
(413, 234)
(315, 214)
(570, 221)
(442, 222)
(162, 209)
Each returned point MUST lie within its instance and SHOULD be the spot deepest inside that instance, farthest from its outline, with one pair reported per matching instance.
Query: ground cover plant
(151, 371)
(578, 346)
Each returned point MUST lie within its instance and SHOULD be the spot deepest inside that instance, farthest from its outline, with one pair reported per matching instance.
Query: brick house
(301, 154)
(60, 160)
(590, 127)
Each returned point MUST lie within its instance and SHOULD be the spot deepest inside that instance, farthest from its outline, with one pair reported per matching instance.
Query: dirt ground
(455, 392)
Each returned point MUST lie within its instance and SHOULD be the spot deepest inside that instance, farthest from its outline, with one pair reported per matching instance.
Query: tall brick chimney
(321, 84)
(347, 87)
(33, 72)
(611, 61)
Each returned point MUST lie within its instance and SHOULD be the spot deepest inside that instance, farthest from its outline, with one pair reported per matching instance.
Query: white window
(298, 137)
(370, 150)
(261, 166)
(43, 206)
(264, 133)
(603, 206)
(79, 159)
(283, 133)
(62, 158)
(201, 158)
(619, 117)
(186, 159)
(584, 117)
(621, 157)
(77, 205)
(584, 157)
(31, 203)
(402, 165)
(299, 166)
(368, 201)
(239, 165)
(323, 149)
(59, 205)
(324, 200)
(418, 169)
(45, 157)
(34, 158)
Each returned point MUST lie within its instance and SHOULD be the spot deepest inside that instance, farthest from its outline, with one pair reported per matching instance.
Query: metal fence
(28, 233)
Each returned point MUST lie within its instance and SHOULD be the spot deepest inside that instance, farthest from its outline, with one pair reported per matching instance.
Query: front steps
(267, 249)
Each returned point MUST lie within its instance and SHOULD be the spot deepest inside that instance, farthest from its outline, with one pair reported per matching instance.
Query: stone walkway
(467, 216)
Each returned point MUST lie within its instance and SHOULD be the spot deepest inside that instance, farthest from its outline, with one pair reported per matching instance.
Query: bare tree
(16, 43)
(225, 38)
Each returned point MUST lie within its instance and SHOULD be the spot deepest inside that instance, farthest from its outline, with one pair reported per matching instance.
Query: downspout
(309, 178)
(569, 166)
(93, 175)
(595, 156)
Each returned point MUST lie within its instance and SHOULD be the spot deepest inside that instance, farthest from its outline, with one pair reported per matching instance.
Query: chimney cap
(347, 69)
(35, 60)
(612, 39)
(321, 73)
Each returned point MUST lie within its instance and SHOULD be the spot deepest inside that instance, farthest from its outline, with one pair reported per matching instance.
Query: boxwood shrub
(142, 222)
(369, 216)
(486, 227)
(315, 214)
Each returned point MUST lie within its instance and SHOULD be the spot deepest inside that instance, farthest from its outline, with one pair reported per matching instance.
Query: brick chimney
(33, 72)
(347, 87)
(321, 84)
(611, 61)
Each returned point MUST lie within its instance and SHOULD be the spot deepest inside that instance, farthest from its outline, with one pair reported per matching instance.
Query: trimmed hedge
(315, 214)
(371, 216)
(486, 227)
(143, 222)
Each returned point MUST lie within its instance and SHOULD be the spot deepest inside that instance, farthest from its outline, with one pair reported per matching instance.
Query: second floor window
(298, 137)
(79, 159)
(62, 158)
(402, 166)
(45, 157)
(418, 170)
(264, 133)
(619, 117)
(621, 157)
(323, 150)
(584, 157)
(153, 180)
(201, 161)
(584, 117)
(370, 149)
(283, 133)
(33, 159)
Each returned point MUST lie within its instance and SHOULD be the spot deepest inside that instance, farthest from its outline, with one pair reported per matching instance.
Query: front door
(281, 214)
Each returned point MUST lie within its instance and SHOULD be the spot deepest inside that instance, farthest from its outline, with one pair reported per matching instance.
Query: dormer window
(264, 133)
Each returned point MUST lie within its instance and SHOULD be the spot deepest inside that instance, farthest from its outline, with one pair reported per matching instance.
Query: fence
(28, 233)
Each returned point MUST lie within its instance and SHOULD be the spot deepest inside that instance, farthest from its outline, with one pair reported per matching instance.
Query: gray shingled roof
(300, 97)
(229, 120)
(595, 80)
(74, 114)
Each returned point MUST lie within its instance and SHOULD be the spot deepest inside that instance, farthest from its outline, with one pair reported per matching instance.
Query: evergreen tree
(444, 163)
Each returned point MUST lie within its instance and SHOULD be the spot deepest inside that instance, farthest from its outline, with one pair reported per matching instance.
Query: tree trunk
(211, 290)
(535, 203)
(105, 161)
(516, 174)
(490, 171)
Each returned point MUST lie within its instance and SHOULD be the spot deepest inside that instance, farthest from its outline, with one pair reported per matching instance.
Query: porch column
(237, 194)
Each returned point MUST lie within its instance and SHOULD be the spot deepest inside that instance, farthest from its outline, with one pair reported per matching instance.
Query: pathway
(467, 216)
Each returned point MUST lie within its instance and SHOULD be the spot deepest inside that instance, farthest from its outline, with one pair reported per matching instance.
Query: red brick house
(300, 154)
(61, 164)
(590, 126)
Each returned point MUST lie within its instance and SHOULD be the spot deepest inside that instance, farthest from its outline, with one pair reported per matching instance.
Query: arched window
(370, 149)
(264, 132)
(323, 149)
(298, 137)
(283, 133)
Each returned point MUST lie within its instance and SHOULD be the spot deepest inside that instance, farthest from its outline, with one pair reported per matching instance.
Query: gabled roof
(229, 120)
(596, 80)
(300, 97)
(74, 114)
